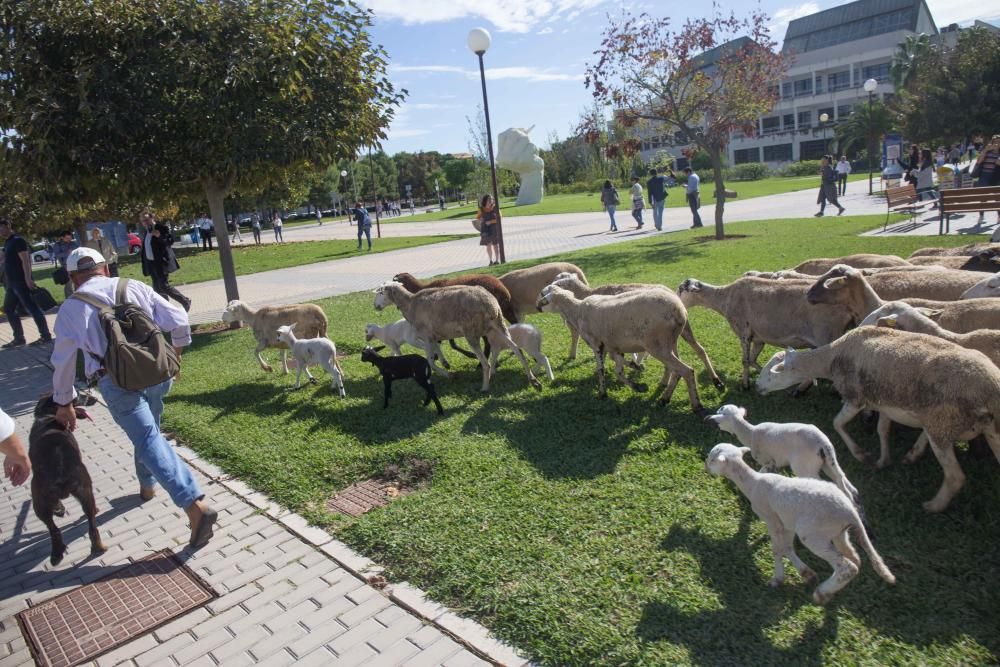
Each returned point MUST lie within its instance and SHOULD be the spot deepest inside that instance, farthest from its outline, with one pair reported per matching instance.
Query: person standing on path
(16, 464)
(656, 186)
(159, 260)
(488, 234)
(319, 217)
(138, 413)
(610, 199)
(18, 283)
(107, 250)
(828, 187)
(255, 227)
(637, 205)
(237, 236)
(277, 224)
(60, 251)
(843, 170)
(205, 227)
(925, 177)
(364, 223)
(693, 194)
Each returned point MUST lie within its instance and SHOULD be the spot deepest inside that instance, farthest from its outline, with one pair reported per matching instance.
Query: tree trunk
(80, 227)
(715, 154)
(215, 192)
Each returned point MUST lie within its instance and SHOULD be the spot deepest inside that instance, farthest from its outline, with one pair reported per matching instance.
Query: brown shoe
(202, 532)
(146, 493)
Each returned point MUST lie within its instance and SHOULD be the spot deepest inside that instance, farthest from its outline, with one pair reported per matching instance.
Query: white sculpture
(517, 153)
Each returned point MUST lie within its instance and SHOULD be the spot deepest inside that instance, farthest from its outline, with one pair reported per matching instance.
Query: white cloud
(531, 74)
(946, 12)
(544, 31)
(406, 132)
(505, 15)
(785, 15)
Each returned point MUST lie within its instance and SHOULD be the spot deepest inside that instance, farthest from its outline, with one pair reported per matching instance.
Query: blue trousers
(637, 215)
(367, 231)
(138, 414)
(694, 201)
(611, 214)
(18, 293)
(658, 213)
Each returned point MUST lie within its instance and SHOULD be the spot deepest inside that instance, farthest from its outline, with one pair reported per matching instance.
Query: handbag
(60, 276)
(478, 224)
(42, 297)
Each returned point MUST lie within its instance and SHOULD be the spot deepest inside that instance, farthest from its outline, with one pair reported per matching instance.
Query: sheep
(402, 367)
(792, 274)
(526, 284)
(308, 317)
(802, 447)
(528, 339)
(641, 321)
(986, 261)
(581, 290)
(862, 261)
(307, 351)
(763, 311)
(849, 288)
(440, 313)
(970, 249)
(918, 320)
(948, 391)
(984, 289)
(814, 510)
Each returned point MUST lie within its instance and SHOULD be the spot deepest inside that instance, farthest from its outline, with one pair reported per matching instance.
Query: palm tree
(908, 57)
(864, 127)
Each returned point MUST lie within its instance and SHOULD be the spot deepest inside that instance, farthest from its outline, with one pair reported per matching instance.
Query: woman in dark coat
(488, 235)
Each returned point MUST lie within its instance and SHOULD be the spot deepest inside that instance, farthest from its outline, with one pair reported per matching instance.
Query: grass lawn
(587, 532)
(198, 266)
(591, 202)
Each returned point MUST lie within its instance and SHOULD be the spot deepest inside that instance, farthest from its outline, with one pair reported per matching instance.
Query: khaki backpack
(138, 354)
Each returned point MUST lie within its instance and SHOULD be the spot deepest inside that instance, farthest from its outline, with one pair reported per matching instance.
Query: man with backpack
(118, 324)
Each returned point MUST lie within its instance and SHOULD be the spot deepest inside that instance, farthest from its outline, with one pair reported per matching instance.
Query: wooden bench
(967, 200)
(902, 200)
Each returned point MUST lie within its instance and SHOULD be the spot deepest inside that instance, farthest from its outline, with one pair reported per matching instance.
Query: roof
(853, 21)
(713, 56)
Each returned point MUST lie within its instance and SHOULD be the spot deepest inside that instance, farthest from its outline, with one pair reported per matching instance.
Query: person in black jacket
(159, 260)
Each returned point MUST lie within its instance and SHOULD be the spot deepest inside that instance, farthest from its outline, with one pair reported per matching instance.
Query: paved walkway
(290, 594)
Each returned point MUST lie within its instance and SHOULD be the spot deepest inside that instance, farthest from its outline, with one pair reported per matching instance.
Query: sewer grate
(79, 625)
(359, 498)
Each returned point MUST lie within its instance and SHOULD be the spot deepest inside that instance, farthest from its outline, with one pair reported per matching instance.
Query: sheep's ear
(835, 283)
(744, 451)
(932, 313)
(713, 419)
(889, 322)
(291, 327)
(778, 368)
(378, 349)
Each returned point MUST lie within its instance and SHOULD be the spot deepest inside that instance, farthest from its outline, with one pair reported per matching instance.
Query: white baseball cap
(83, 259)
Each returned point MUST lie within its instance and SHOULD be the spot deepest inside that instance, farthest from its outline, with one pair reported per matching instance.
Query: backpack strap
(91, 301)
(120, 296)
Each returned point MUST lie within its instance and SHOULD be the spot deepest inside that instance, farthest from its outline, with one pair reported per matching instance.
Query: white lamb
(814, 509)
(395, 335)
(529, 339)
(802, 447)
(308, 351)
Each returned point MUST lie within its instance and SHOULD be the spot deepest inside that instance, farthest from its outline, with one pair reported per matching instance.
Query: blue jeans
(18, 293)
(658, 213)
(611, 214)
(694, 201)
(138, 414)
(367, 231)
(637, 214)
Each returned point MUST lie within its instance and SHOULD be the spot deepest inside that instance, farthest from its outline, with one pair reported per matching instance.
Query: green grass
(591, 202)
(587, 532)
(198, 266)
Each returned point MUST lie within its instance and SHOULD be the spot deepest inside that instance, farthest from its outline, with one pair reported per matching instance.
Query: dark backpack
(138, 354)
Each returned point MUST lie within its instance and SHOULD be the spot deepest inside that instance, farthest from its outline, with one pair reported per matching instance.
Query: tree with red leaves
(712, 77)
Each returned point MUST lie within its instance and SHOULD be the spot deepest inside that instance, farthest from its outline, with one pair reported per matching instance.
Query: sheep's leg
(778, 540)
(395, 348)
(918, 449)
(848, 412)
(884, 425)
(543, 364)
(304, 364)
(745, 343)
(673, 370)
(689, 338)
(337, 377)
(461, 351)
(503, 339)
(429, 349)
(483, 361)
(843, 544)
(619, 360)
(298, 375)
(440, 355)
(260, 357)
(954, 478)
(843, 568)
(43, 511)
(574, 339)
(284, 361)
(85, 495)
(387, 391)
(755, 349)
(425, 382)
(602, 389)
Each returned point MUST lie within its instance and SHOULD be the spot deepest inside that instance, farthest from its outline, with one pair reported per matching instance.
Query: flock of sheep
(916, 340)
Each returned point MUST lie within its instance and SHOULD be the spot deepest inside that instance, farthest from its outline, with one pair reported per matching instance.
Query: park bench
(966, 200)
(903, 200)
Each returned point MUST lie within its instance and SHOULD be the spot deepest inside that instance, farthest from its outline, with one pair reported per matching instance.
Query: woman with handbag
(487, 226)
(107, 250)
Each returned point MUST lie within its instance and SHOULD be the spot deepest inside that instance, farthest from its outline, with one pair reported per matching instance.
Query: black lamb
(402, 367)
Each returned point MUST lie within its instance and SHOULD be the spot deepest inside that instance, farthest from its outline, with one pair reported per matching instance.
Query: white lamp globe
(343, 173)
(871, 85)
(824, 117)
(479, 40)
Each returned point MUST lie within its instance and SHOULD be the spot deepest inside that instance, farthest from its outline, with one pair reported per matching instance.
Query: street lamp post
(479, 42)
(870, 86)
(343, 184)
(371, 168)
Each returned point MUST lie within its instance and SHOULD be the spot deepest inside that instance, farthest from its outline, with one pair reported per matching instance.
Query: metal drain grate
(78, 626)
(359, 498)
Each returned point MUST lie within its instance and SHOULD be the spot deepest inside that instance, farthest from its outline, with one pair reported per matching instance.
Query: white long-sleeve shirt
(79, 328)
(7, 426)
(843, 167)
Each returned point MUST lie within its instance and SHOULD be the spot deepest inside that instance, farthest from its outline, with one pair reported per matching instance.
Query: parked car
(39, 253)
(134, 243)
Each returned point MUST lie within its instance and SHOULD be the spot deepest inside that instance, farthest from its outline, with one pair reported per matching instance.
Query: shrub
(803, 168)
(750, 171)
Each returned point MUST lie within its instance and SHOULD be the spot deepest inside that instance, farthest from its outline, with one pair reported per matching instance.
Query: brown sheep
(491, 284)
(526, 284)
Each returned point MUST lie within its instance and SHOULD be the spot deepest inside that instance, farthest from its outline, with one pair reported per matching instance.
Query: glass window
(772, 124)
(805, 119)
(838, 80)
(844, 110)
(788, 120)
(786, 89)
(878, 72)
(803, 87)
(812, 150)
(779, 153)
(746, 155)
(819, 84)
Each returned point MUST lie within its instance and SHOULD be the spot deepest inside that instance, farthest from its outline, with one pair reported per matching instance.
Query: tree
(712, 77)
(385, 176)
(150, 98)
(863, 128)
(909, 56)
(458, 171)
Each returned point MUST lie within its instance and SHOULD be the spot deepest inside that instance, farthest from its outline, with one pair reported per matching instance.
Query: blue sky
(536, 63)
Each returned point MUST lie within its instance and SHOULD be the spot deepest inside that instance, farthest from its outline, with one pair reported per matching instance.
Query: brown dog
(59, 473)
